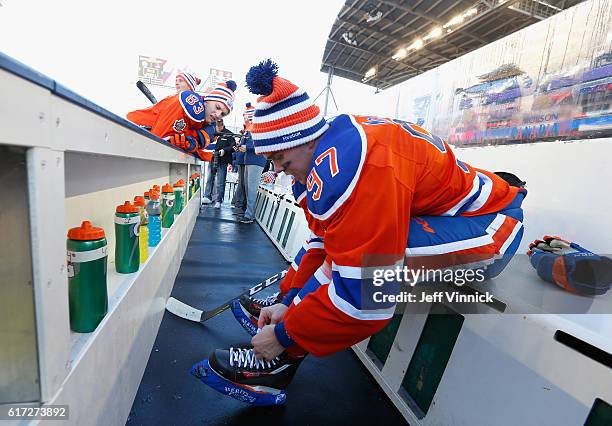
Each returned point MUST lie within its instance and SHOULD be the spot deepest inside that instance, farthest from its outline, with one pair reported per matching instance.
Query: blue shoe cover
(244, 318)
(243, 393)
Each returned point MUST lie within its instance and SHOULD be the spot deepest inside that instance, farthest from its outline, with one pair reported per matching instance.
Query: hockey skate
(246, 310)
(238, 373)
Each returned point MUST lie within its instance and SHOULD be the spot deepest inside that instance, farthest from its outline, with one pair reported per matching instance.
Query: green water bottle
(127, 248)
(87, 294)
(178, 196)
(167, 206)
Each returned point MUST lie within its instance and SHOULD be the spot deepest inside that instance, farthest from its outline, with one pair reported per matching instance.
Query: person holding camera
(222, 156)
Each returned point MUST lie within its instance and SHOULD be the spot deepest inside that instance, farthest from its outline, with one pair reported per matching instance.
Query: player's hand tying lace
(272, 315)
(265, 344)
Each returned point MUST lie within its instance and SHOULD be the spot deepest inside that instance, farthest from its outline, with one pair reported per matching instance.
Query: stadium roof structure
(384, 42)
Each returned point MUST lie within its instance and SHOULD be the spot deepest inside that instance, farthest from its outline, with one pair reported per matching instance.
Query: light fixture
(416, 45)
(400, 54)
(374, 18)
(369, 75)
(436, 32)
(460, 18)
(456, 20)
(372, 13)
(349, 37)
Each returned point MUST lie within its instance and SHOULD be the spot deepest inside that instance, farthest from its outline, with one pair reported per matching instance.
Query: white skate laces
(268, 301)
(245, 358)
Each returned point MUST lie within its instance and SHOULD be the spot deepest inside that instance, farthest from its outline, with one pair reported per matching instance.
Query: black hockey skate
(238, 373)
(246, 310)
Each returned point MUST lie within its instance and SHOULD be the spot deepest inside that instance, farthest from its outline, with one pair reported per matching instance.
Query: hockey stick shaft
(183, 310)
(145, 91)
(255, 289)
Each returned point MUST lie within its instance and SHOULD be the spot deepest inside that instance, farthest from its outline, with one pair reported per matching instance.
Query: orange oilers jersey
(180, 113)
(434, 181)
(431, 181)
(310, 257)
(369, 177)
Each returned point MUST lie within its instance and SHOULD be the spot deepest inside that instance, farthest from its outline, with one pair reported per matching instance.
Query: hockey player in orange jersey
(180, 118)
(374, 191)
(186, 81)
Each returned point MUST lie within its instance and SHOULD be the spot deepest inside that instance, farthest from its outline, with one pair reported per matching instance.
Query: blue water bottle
(154, 210)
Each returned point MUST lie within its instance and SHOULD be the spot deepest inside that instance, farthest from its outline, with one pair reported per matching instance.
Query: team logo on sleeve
(179, 126)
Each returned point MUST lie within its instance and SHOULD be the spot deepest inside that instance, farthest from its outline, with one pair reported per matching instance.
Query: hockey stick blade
(190, 313)
(183, 310)
(145, 91)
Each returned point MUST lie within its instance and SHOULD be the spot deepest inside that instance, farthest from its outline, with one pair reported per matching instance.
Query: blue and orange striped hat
(224, 93)
(191, 80)
(285, 117)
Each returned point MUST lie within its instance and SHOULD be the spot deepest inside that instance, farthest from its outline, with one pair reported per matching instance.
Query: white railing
(282, 220)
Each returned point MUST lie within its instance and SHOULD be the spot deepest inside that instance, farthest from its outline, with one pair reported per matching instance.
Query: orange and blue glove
(186, 143)
(570, 266)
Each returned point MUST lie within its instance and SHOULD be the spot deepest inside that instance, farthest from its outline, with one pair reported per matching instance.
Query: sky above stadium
(92, 47)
